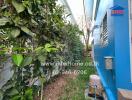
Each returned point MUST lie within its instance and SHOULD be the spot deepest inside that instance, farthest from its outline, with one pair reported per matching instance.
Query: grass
(75, 88)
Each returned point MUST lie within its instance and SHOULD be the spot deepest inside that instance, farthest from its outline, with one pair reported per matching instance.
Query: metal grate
(104, 32)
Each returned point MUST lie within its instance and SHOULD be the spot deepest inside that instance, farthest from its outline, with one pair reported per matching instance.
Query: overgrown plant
(32, 33)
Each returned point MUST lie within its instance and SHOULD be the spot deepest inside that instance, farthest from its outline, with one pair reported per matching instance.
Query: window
(104, 32)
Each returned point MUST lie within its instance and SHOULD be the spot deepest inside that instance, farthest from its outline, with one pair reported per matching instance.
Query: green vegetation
(75, 88)
(33, 32)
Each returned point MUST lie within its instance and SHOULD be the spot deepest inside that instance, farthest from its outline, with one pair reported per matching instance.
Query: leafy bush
(33, 32)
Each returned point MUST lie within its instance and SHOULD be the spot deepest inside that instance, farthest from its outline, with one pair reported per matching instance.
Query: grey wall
(6, 72)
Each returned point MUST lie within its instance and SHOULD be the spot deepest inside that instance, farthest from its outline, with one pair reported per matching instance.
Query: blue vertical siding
(118, 47)
(122, 47)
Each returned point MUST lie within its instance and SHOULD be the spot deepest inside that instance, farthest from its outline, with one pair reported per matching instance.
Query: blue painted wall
(122, 47)
(107, 76)
(118, 47)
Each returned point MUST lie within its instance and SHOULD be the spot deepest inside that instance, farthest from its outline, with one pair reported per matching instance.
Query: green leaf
(29, 11)
(1, 95)
(18, 6)
(27, 61)
(48, 45)
(54, 49)
(49, 48)
(13, 92)
(29, 94)
(17, 97)
(15, 32)
(29, 91)
(26, 30)
(34, 22)
(41, 58)
(4, 21)
(17, 20)
(17, 59)
(38, 48)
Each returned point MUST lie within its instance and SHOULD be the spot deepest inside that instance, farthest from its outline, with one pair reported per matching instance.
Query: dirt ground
(55, 89)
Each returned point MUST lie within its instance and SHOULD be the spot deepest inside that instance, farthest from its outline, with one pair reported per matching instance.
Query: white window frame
(102, 41)
(130, 34)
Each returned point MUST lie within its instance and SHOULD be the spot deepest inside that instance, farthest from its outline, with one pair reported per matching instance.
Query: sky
(77, 9)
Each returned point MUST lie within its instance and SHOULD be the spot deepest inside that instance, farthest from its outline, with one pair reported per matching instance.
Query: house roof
(117, 8)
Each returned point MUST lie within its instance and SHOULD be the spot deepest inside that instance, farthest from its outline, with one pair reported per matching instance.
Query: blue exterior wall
(122, 47)
(107, 76)
(118, 47)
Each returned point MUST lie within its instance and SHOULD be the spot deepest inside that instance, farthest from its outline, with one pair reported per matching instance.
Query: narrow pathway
(54, 90)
